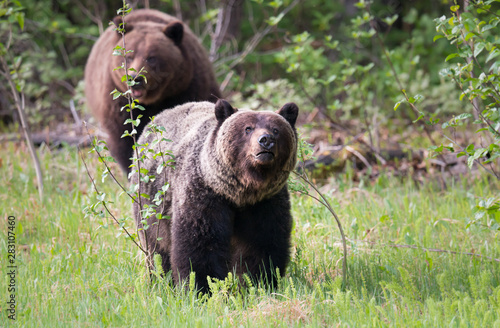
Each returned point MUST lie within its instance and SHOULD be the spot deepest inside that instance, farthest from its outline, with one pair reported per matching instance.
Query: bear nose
(139, 80)
(267, 141)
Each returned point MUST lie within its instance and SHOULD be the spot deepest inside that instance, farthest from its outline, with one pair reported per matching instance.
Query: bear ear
(289, 111)
(175, 31)
(119, 20)
(223, 110)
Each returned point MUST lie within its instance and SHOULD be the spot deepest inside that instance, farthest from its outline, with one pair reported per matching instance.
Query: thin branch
(19, 102)
(149, 257)
(101, 158)
(326, 203)
(477, 109)
(96, 19)
(105, 206)
(358, 155)
(463, 150)
(223, 20)
(436, 250)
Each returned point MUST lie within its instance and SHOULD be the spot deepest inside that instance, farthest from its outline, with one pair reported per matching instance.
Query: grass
(80, 271)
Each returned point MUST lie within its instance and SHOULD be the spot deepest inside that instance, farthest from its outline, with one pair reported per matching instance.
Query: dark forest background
(384, 73)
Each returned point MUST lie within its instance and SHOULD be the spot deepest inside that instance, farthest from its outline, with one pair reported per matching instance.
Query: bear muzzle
(267, 141)
(266, 153)
(139, 88)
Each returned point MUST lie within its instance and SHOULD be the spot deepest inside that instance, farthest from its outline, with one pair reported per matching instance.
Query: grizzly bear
(177, 70)
(226, 207)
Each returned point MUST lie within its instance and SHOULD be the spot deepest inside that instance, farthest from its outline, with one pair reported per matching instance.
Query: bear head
(256, 150)
(154, 50)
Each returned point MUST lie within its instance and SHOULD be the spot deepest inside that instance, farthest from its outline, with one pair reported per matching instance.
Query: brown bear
(227, 198)
(177, 66)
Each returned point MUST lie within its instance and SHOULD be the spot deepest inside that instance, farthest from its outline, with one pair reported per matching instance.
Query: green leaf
(274, 20)
(390, 20)
(486, 28)
(470, 162)
(478, 48)
(454, 8)
(419, 118)
(451, 56)
(463, 116)
(20, 20)
(384, 218)
(100, 197)
(483, 9)
(437, 37)
(330, 80)
(159, 169)
(469, 35)
(493, 54)
(396, 106)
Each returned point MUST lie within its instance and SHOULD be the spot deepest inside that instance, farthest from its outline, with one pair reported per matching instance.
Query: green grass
(75, 271)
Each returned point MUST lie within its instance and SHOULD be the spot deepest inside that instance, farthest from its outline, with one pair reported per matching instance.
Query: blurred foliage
(50, 53)
(323, 54)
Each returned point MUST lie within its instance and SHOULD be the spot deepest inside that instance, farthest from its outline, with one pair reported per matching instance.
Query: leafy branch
(100, 197)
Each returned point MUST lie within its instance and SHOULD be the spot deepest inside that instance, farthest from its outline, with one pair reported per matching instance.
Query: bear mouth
(138, 92)
(265, 156)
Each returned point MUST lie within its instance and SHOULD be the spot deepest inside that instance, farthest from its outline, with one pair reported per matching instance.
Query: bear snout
(139, 80)
(267, 141)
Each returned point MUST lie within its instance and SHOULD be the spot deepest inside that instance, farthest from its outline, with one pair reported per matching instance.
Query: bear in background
(227, 198)
(177, 66)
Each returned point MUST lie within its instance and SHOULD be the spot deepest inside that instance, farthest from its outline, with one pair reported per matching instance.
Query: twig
(326, 203)
(96, 19)
(105, 206)
(321, 107)
(19, 101)
(436, 250)
(75, 114)
(358, 155)
(223, 19)
(101, 158)
(224, 83)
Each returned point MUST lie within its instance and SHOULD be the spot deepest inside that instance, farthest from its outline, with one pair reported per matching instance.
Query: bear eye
(151, 60)
(248, 129)
(275, 131)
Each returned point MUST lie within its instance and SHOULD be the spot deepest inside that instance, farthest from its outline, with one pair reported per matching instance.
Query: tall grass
(78, 271)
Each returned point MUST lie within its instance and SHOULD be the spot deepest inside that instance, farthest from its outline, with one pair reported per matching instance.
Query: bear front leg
(261, 239)
(201, 233)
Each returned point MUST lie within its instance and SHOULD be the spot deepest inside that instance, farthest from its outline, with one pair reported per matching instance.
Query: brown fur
(228, 199)
(178, 71)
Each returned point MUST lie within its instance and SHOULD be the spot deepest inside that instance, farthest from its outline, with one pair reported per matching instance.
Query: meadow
(412, 259)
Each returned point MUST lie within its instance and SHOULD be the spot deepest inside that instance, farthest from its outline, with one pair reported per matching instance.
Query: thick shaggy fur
(228, 199)
(177, 66)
